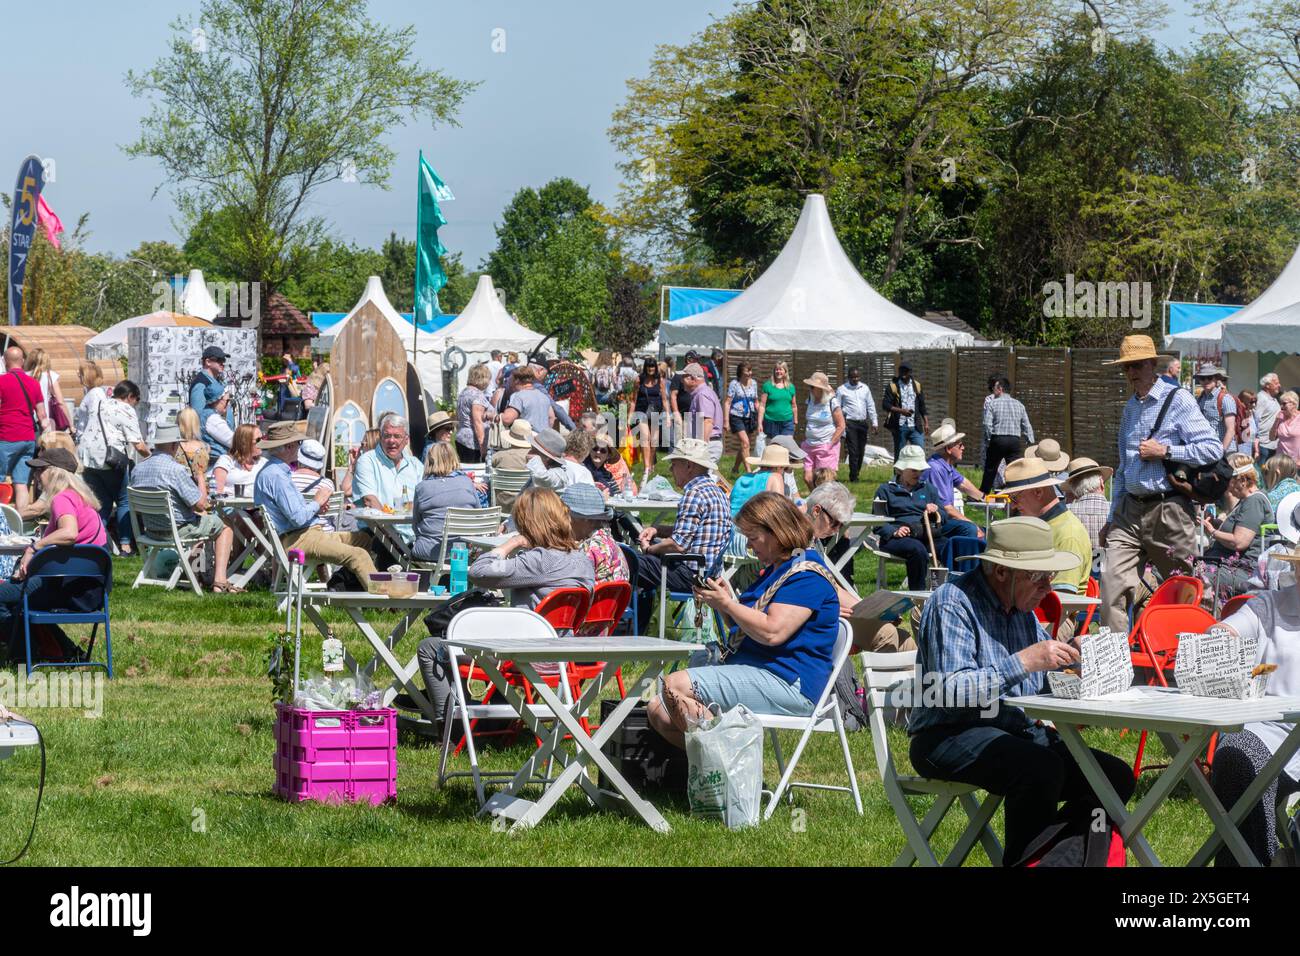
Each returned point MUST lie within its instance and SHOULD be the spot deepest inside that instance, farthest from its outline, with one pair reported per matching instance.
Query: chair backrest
(1161, 626)
(497, 622)
(1234, 605)
(608, 602)
(565, 609)
(882, 674)
(963, 548)
(510, 480)
(12, 518)
(1092, 590)
(76, 568)
(1177, 589)
(1049, 611)
(839, 655)
(153, 503)
(467, 521)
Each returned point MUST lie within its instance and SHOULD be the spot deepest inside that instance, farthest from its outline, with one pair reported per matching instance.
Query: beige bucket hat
(694, 450)
(1024, 544)
(819, 380)
(520, 434)
(1026, 473)
(1049, 450)
(912, 456)
(946, 434)
(774, 456)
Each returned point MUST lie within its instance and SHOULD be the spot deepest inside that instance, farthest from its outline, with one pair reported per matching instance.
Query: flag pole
(415, 296)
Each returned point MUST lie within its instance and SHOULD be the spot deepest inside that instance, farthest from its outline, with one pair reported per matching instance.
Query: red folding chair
(608, 603)
(1049, 612)
(564, 609)
(1157, 635)
(1233, 606)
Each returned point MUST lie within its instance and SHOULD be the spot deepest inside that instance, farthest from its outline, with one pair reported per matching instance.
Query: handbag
(1207, 483)
(113, 458)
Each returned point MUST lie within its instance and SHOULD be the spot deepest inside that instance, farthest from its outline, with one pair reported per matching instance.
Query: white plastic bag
(725, 781)
(760, 443)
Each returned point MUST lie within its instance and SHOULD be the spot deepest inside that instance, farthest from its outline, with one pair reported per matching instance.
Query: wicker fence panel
(974, 366)
(1042, 384)
(762, 364)
(933, 369)
(876, 369)
(1097, 397)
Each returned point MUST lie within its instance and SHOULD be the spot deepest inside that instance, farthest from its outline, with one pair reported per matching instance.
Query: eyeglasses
(1038, 578)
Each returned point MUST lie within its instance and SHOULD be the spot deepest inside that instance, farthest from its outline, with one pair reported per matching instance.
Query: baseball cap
(214, 352)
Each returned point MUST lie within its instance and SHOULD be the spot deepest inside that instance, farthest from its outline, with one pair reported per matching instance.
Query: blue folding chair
(78, 578)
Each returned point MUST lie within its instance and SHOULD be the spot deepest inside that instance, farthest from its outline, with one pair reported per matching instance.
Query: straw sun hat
(819, 380)
(1024, 544)
(1135, 348)
(1026, 473)
(1086, 466)
(774, 456)
(1049, 450)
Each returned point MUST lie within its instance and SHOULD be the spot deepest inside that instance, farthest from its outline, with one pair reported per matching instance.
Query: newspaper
(1218, 664)
(1106, 666)
(881, 607)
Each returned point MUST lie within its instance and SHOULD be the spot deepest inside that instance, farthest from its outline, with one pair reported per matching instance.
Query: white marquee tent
(810, 297)
(483, 325)
(1270, 323)
(196, 299)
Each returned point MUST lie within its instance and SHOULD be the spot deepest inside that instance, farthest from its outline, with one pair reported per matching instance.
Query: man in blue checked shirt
(979, 648)
(1150, 519)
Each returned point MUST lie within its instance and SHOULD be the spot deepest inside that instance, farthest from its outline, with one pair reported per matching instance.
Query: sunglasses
(1039, 577)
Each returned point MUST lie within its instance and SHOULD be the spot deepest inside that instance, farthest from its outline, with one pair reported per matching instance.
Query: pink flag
(50, 222)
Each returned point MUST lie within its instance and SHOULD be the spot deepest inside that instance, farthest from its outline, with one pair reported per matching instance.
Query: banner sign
(27, 191)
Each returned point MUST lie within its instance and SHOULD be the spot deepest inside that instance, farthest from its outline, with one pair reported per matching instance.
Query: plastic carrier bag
(725, 780)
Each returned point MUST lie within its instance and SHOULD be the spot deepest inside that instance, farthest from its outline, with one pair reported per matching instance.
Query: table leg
(589, 752)
(256, 545)
(1247, 802)
(384, 651)
(1130, 825)
(855, 545)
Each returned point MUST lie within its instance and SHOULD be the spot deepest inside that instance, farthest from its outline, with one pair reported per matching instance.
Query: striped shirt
(1189, 437)
(1004, 415)
(703, 522)
(1092, 510)
(966, 658)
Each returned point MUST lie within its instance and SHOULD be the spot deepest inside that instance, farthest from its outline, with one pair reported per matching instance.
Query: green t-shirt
(780, 402)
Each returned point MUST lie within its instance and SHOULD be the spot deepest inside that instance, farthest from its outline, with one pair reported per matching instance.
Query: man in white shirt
(1266, 408)
(388, 474)
(494, 369)
(859, 413)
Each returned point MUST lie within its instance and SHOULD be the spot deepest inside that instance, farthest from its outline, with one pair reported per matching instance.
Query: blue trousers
(906, 435)
(916, 551)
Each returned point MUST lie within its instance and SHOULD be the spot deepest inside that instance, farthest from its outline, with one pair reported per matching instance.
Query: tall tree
(566, 283)
(531, 218)
(269, 100)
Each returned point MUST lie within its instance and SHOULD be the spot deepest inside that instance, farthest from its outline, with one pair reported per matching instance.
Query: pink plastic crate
(335, 755)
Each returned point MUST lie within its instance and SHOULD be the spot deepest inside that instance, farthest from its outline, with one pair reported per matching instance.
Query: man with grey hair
(1085, 495)
(1266, 409)
(386, 475)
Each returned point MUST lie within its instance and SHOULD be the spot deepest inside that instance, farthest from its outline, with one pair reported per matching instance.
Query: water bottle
(459, 567)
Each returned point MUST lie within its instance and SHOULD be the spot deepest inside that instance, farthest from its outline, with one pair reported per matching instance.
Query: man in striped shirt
(1150, 520)
(1006, 429)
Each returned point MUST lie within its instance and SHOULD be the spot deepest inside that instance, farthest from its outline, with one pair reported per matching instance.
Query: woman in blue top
(740, 413)
(786, 623)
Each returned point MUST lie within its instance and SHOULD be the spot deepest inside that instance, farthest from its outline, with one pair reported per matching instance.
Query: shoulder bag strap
(30, 407)
(1164, 410)
(732, 644)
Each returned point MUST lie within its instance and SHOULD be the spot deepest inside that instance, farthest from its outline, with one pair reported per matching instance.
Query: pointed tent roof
(810, 297)
(196, 299)
(1270, 323)
(485, 324)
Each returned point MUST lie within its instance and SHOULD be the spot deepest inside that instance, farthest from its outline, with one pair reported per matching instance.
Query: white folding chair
(508, 480)
(825, 718)
(333, 510)
(514, 622)
(887, 677)
(882, 558)
(13, 518)
(280, 567)
(156, 503)
(461, 522)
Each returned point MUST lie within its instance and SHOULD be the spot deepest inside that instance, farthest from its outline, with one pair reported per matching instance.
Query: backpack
(1080, 840)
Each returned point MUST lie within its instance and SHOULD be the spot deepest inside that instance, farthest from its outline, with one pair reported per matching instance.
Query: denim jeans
(906, 435)
(13, 460)
(1032, 770)
(109, 486)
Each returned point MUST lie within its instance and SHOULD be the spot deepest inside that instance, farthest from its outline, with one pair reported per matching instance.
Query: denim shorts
(773, 429)
(760, 690)
(13, 460)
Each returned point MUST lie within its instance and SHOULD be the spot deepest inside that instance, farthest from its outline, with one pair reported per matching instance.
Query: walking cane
(938, 573)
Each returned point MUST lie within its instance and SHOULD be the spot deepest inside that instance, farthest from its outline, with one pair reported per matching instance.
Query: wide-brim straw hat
(913, 457)
(1135, 348)
(819, 380)
(694, 450)
(1287, 521)
(520, 434)
(946, 434)
(281, 433)
(439, 419)
(774, 456)
(1049, 451)
(1086, 466)
(1026, 473)
(1024, 544)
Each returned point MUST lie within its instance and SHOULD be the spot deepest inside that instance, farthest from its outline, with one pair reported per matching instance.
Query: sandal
(225, 587)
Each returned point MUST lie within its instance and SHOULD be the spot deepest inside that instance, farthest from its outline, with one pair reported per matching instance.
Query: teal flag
(429, 274)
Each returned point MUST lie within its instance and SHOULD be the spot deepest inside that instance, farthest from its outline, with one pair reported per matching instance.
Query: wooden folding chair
(156, 503)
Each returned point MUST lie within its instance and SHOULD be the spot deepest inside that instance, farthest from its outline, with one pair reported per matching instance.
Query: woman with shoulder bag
(104, 452)
(787, 623)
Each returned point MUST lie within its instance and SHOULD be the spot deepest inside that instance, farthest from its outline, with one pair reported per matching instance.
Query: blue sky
(542, 110)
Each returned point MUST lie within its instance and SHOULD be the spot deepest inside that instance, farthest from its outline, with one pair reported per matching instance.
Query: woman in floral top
(590, 518)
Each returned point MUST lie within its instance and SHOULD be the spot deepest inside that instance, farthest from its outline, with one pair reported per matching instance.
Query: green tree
(530, 219)
(331, 276)
(268, 101)
(566, 282)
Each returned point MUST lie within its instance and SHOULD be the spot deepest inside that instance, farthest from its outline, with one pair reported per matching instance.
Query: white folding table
(1171, 715)
(491, 654)
(386, 528)
(252, 536)
(355, 604)
(855, 532)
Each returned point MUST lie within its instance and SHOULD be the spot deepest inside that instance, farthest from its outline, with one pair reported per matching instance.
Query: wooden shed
(66, 345)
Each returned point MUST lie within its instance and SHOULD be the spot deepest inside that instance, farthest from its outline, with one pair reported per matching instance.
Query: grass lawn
(177, 770)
